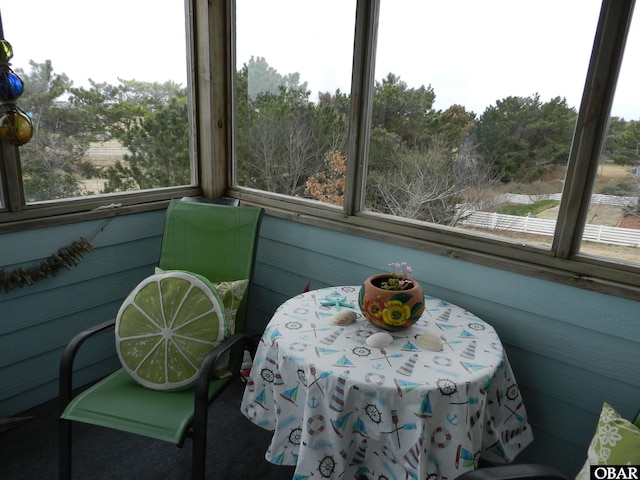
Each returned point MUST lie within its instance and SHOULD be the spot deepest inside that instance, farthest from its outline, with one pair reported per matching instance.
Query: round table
(339, 408)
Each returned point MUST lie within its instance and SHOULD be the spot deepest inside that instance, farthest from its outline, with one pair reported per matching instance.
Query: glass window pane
(292, 102)
(107, 91)
(613, 221)
(474, 110)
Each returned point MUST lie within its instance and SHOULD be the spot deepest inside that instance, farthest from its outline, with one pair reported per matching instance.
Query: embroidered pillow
(616, 442)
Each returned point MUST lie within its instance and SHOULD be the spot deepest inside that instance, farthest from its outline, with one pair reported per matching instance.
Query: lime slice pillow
(166, 327)
(231, 293)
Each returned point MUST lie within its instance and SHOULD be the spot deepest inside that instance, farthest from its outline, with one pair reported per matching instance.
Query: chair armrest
(210, 361)
(208, 366)
(524, 471)
(68, 357)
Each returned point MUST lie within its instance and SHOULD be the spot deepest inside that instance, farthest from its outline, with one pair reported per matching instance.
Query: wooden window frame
(562, 263)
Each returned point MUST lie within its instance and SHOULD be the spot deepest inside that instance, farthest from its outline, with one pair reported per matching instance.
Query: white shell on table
(379, 340)
(344, 317)
(429, 341)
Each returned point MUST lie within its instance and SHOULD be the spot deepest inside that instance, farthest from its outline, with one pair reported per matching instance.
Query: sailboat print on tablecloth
(468, 458)
(291, 394)
(425, 408)
(410, 347)
(405, 385)
(340, 423)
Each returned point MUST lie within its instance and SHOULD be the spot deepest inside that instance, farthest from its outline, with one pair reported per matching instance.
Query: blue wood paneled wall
(571, 349)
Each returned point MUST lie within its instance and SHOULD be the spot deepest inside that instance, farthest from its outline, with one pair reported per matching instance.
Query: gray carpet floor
(235, 447)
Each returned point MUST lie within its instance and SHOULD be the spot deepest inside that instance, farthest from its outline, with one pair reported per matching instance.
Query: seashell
(344, 317)
(429, 341)
(378, 340)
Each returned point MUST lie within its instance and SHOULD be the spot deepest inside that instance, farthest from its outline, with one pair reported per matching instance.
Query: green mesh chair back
(215, 241)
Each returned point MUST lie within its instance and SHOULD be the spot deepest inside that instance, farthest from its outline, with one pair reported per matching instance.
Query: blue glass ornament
(11, 86)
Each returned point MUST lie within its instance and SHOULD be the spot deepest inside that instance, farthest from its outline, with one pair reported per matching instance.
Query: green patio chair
(218, 242)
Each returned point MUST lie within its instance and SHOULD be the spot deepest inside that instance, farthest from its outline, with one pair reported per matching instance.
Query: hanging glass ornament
(6, 48)
(11, 86)
(15, 126)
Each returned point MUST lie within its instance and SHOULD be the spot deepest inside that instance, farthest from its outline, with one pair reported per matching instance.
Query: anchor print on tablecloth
(470, 417)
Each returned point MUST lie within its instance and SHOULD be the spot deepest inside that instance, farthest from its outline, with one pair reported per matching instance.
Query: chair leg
(65, 450)
(198, 458)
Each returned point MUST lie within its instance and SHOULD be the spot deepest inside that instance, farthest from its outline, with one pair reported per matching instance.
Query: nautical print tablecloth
(339, 408)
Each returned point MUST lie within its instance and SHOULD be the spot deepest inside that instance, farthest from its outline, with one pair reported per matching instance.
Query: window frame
(563, 262)
(211, 46)
(16, 214)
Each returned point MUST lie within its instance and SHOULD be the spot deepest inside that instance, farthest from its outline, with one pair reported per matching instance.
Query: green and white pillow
(231, 293)
(616, 442)
(166, 327)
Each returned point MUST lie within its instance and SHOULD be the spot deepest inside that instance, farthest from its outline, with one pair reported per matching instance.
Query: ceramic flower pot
(391, 310)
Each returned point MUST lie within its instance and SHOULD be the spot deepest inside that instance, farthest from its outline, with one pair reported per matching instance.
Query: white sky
(471, 52)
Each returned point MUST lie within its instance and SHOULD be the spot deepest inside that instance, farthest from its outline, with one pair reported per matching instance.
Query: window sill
(582, 271)
(47, 214)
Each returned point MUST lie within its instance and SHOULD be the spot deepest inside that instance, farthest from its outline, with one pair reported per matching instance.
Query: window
(293, 102)
(107, 91)
(474, 111)
(466, 127)
(612, 227)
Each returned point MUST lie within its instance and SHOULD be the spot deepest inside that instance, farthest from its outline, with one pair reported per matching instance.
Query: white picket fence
(538, 226)
(596, 198)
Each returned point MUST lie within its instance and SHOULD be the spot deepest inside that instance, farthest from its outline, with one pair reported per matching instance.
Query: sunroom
(493, 147)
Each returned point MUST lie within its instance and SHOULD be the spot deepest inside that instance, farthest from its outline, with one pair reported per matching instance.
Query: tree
(151, 120)
(406, 112)
(53, 161)
(434, 185)
(282, 137)
(159, 146)
(328, 185)
(522, 137)
(622, 143)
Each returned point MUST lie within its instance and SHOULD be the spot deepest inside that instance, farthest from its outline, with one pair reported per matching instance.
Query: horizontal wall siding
(571, 349)
(37, 321)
